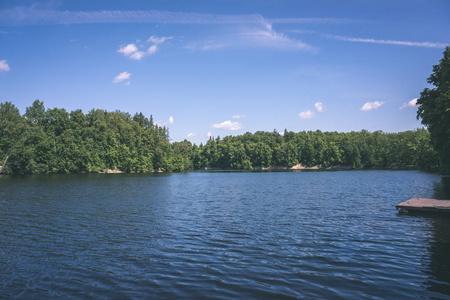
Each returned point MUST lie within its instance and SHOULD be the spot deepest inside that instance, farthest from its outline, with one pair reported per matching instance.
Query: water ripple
(221, 235)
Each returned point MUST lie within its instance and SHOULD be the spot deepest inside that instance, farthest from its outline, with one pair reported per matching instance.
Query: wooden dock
(424, 205)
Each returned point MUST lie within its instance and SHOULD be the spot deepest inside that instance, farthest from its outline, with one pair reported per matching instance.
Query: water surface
(222, 235)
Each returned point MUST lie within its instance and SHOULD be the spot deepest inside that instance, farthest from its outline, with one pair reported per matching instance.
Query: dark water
(222, 235)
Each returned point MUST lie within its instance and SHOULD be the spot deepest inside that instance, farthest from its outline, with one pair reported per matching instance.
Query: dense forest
(404, 150)
(434, 110)
(56, 141)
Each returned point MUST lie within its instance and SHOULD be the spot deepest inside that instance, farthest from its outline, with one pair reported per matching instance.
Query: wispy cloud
(270, 38)
(132, 51)
(228, 125)
(313, 20)
(33, 16)
(158, 40)
(121, 77)
(251, 30)
(388, 42)
(410, 104)
(260, 35)
(301, 31)
(319, 106)
(306, 114)
(372, 105)
(4, 67)
(191, 135)
(152, 49)
(238, 116)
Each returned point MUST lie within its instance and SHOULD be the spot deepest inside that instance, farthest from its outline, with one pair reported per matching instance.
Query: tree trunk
(4, 163)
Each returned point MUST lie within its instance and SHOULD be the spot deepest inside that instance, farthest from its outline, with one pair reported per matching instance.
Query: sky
(225, 67)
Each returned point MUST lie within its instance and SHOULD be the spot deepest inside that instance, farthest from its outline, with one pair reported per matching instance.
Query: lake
(222, 235)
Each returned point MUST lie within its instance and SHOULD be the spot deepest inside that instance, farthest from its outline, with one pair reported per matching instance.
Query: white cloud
(121, 77)
(4, 67)
(158, 40)
(152, 49)
(137, 55)
(388, 42)
(238, 116)
(411, 103)
(191, 135)
(228, 125)
(319, 106)
(209, 134)
(164, 123)
(132, 51)
(128, 49)
(372, 105)
(306, 114)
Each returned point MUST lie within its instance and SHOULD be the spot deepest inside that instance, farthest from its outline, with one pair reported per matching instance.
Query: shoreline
(298, 167)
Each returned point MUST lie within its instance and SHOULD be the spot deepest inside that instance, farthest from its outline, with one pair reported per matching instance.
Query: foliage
(56, 141)
(404, 150)
(434, 109)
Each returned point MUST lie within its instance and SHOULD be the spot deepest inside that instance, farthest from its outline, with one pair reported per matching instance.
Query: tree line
(355, 150)
(56, 141)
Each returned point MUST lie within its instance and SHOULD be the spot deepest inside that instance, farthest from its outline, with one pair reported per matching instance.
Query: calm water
(222, 235)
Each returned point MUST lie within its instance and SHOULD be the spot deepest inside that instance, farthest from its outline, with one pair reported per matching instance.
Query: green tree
(54, 141)
(434, 109)
(35, 114)
(12, 128)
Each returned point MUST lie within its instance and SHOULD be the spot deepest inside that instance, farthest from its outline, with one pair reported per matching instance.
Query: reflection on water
(442, 188)
(439, 244)
(439, 249)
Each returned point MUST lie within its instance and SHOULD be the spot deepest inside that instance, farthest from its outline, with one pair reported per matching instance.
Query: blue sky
(226, 67)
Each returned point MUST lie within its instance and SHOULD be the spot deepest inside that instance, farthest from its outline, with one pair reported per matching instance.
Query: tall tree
(11, 130)
(434, 109)
(35, 114)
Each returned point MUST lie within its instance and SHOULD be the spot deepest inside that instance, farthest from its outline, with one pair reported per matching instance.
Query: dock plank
(424, 204)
